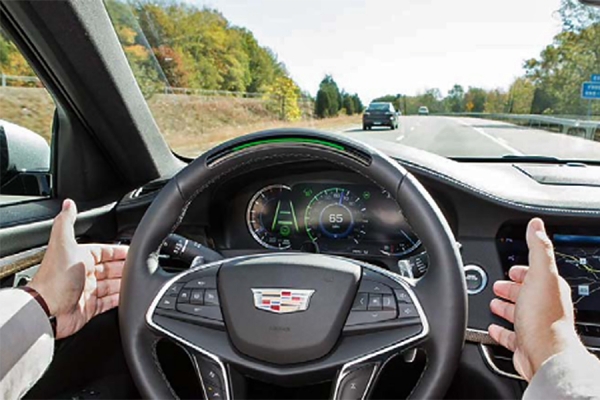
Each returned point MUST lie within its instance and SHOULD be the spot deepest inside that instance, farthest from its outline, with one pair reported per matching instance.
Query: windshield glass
(508, 78)
(378, 107)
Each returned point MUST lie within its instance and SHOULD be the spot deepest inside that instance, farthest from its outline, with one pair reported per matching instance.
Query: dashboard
(312, 207)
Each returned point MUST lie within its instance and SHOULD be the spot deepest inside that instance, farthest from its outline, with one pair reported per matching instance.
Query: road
(473, 137)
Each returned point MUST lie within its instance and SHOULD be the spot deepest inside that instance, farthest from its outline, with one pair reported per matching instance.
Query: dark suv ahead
(380, 114)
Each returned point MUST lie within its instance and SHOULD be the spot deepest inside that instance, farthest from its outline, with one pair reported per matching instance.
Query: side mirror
(24, 162)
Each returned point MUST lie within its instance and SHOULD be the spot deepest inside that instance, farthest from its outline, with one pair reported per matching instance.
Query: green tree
(520, 96)
(456, 99)
(358, 105)
(329, 98)
(348, 103)
(495, 101)
(475, 99)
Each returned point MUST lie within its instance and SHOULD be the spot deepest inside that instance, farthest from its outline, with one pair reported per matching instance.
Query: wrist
(42, 302)
(560, 337)
(40, 289)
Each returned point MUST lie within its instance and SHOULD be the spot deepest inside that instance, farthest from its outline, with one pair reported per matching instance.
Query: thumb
(541, 250)
(63, 227)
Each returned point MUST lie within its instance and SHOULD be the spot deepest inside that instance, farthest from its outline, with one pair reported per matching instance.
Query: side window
(26, 113)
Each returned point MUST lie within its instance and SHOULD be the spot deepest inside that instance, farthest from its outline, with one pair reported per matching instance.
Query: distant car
(423, 110)
(380, 114)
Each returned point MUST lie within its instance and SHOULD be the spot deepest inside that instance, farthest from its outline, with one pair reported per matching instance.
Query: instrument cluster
(337, 218)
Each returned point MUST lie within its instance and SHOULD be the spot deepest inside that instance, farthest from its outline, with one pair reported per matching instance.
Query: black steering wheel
(292, 318)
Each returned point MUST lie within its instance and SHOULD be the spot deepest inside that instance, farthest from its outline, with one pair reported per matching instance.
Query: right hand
(537, 300)
(77, 281)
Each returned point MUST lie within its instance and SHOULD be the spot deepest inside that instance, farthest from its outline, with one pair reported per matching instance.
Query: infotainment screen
(578, 261)
(577, 257)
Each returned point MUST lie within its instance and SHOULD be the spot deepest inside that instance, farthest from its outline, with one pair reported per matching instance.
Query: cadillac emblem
(282, 301)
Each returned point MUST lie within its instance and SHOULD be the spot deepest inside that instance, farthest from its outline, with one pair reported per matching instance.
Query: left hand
(77, 281)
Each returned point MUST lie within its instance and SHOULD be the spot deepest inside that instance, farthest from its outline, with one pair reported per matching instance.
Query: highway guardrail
(573, 126)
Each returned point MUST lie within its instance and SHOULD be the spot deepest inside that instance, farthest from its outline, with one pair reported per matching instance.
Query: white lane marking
(399, 138)
(498, 141)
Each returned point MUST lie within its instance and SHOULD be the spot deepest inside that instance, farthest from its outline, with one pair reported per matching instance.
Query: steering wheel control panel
(380, 300)
(193, 298)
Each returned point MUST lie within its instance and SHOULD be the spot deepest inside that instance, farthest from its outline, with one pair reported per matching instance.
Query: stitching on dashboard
(498, 199)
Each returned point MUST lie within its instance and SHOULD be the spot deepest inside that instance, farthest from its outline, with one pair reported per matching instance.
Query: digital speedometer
(271, 217)
(336, 214)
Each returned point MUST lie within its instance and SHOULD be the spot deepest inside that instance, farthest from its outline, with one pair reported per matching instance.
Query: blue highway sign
(590, 90)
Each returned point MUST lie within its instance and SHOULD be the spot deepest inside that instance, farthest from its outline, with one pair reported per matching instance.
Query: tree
(329, 98)
(520, 96)
(475, 99)
(456, 99)
(358, 105)
(495, 101)
(323, 104)
(576, 16)
(348, 103)
(282, 98)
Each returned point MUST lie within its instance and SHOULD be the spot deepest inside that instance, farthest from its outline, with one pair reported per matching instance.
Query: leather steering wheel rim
(441, 291)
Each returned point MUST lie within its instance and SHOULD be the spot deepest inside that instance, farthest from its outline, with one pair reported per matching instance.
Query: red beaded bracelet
(38, 297)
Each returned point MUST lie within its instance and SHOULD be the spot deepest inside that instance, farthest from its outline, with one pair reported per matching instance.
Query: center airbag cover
(290, 337)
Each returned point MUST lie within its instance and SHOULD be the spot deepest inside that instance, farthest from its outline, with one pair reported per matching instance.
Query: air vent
(152, 187)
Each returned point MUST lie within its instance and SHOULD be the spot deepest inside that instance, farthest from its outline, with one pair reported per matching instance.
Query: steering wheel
(292, 318)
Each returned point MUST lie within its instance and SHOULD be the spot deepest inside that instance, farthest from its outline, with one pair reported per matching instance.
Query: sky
(379, 47)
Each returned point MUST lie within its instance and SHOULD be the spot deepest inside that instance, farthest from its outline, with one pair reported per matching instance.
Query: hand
(538, 301)
(77, 281)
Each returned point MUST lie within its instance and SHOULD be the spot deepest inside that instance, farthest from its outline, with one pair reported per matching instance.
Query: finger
(517, 273)
(109, 270)
(107, 252)
(541, 250)
(63, 226)
(507, 290)
(108, 287)
(503, 337)
(107, 303)
(503, 309)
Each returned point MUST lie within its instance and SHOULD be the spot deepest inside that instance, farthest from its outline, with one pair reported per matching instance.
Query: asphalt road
(472, 137)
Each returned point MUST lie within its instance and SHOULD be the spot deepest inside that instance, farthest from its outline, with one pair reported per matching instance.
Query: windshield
(378, 107)
(504, 80)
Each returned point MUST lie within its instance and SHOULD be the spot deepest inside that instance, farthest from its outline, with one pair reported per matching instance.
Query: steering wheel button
(374, 287)
(166, 303)
(211, 298)
(201, 311)
(369, 317)
(203, 282)
(213, 392)
(174, 289)
(402, 296)
(184, 296)
(360, 302)
(407, 311)
(374, 302)
(197, 297)
(211, 374)
(388, 303)
(354, 385)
